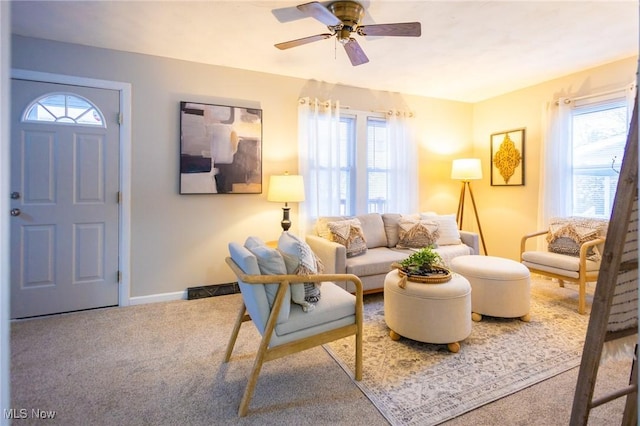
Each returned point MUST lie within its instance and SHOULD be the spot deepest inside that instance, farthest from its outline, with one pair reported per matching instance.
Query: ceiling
(468, 51)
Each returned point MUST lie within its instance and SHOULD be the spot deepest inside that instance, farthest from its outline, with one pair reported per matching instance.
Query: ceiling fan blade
(301, 41)
(404, 29)
(355, 53)
(321, 13)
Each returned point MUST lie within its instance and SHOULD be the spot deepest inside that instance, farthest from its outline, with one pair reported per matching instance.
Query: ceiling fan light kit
(342, 18)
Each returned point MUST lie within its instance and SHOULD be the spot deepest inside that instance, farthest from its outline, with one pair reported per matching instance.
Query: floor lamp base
(466, 184)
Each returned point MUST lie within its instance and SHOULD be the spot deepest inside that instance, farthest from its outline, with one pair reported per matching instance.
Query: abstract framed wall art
(220, 149)
(507, 158)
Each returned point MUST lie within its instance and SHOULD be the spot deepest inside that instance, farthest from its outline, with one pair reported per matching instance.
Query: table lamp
(466, 170)
(286, 189)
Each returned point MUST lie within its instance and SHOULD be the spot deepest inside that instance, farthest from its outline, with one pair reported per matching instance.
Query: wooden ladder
(614, 312)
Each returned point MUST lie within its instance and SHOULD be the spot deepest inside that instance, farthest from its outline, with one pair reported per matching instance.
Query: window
(599, 134)
(355, 162)
(364, 165)
(64, 108)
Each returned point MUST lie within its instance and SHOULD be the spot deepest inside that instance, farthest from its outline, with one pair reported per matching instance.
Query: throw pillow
(566, 235)
(349, 234)
(447, 227)
(270, 262)
(299, 259)
(415, 233)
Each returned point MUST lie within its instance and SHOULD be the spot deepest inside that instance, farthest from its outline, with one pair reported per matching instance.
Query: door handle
(15, 212)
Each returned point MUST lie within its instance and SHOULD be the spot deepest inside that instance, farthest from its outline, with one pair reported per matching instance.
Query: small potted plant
(425, 265)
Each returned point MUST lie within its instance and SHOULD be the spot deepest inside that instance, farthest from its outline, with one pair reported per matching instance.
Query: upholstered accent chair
(574, 245)
(288, 327)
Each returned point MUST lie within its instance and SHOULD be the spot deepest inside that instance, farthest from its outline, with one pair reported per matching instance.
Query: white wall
(180, 241)
(507, 213)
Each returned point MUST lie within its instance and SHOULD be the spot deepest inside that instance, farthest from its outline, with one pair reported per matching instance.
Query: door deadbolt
(15, 195)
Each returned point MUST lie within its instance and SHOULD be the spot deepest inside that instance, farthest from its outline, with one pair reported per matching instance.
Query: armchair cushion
(254, 295)
(336, 305)
(270, 262)
(557, 261)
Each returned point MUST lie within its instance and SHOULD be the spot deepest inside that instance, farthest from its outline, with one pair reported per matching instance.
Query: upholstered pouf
(499, 287)
(431, 313)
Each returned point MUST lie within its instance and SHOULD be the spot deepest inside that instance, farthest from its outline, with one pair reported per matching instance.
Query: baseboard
(154, 298)
(189, 294)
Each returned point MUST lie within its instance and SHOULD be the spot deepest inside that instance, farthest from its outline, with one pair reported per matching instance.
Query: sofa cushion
(300, 260)
(373, 230)
(449, 252)
(376, 261)
(349, 234)
(447, 226)
(417, 233)
(390, 221)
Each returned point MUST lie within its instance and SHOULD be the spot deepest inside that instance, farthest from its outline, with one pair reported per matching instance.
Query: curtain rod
(595, 95)
(325, 103)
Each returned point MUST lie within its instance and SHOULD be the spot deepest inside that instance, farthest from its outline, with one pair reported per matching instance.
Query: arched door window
(64, 108)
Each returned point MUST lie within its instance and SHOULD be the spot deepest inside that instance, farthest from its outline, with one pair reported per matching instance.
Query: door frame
(124, 209)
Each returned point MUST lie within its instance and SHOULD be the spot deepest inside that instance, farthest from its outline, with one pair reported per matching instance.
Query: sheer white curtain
(556, 176)
(402, 154)
(555, 196)
(320, 158)
(631, 100)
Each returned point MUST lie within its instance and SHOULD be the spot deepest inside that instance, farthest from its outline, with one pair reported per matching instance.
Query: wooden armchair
(284, 326)
(578, 269)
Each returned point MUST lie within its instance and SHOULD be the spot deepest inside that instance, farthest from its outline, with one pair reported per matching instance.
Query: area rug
(413, 383)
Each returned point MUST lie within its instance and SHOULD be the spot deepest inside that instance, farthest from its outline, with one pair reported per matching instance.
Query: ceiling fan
(343, 18)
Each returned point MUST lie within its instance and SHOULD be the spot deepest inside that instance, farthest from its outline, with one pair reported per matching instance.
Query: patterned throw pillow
(349, 234)
(415, 233)
(566, 235)
(299, 259)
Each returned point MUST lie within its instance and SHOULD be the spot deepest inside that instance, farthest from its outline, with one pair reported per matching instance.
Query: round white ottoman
(431, 313)
(500, 287)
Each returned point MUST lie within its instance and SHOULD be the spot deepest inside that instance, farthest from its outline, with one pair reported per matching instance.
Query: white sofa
(381, 234)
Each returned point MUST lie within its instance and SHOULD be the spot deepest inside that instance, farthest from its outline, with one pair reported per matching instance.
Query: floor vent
(212, 290)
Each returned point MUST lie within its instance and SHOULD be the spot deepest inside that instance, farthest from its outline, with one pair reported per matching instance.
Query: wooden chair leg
(358, 373)
(234, 333)
(253, 379)
(582, 296)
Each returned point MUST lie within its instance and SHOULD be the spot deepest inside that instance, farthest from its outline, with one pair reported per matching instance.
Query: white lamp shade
(466, 169)
(286, 188)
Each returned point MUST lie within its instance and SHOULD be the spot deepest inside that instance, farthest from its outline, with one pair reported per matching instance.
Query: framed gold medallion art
(507, 158)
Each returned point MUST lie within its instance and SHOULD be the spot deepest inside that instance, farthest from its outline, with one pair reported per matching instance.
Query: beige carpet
(161, 364)
(414, 383)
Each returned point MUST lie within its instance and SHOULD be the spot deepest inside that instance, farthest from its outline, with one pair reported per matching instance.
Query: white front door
(64, 207)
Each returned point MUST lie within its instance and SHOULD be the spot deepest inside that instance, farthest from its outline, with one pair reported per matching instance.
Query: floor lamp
(286, 189)
(466, 170)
